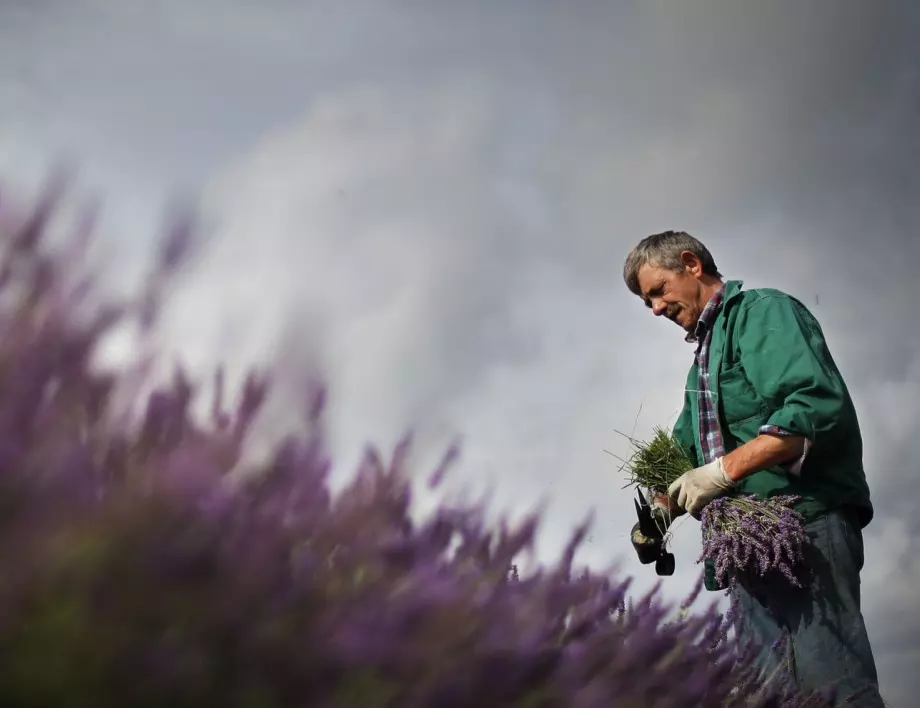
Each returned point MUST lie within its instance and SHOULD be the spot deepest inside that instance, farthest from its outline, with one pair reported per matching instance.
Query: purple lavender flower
(133, 574)
(747, 538)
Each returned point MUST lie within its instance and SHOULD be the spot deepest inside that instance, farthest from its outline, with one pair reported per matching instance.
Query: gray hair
(663, 250)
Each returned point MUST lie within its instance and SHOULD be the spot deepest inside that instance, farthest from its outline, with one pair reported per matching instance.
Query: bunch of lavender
(743, 536)
(135, 570)
(754, 536)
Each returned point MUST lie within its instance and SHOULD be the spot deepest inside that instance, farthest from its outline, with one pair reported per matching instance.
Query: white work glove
(693, 490)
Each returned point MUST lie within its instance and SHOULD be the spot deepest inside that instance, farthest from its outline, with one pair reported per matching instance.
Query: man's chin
(688, 324)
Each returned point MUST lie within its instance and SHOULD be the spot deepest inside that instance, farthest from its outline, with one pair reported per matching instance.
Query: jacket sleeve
(786, 360)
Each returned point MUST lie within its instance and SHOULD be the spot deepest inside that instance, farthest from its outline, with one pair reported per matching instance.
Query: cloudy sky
(431, 203)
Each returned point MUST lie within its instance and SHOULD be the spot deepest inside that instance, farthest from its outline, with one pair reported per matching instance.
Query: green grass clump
(654, 464)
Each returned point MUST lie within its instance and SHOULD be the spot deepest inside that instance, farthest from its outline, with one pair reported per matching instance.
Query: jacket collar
(728, 292)
(732, 289)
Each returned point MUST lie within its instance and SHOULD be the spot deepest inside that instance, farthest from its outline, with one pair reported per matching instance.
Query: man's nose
(659, 307)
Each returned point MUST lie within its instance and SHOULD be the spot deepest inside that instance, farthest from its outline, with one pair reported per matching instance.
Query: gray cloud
(445, 192)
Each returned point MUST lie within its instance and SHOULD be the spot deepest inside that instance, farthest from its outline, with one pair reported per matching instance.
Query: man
(767, 412)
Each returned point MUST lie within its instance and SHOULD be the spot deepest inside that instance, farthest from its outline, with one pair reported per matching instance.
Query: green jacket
(769, 365)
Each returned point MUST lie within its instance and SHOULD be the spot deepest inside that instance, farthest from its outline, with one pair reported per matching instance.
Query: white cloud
(364, 214)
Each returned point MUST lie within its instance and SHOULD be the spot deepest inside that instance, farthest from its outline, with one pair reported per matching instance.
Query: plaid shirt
(712, 444)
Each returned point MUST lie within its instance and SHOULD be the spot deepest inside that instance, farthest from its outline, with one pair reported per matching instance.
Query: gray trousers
(817, 633)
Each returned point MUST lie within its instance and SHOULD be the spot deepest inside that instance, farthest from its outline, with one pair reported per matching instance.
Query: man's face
(674, 294)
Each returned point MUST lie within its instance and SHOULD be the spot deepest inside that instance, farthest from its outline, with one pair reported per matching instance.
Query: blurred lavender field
(143, 566)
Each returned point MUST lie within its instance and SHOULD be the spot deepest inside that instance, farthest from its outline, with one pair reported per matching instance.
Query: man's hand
(693, 490)
(664, 509)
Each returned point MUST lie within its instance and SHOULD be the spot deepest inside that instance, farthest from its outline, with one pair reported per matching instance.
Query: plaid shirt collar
(707, 317)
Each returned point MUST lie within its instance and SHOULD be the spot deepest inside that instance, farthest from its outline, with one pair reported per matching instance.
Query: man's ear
(691, 263)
